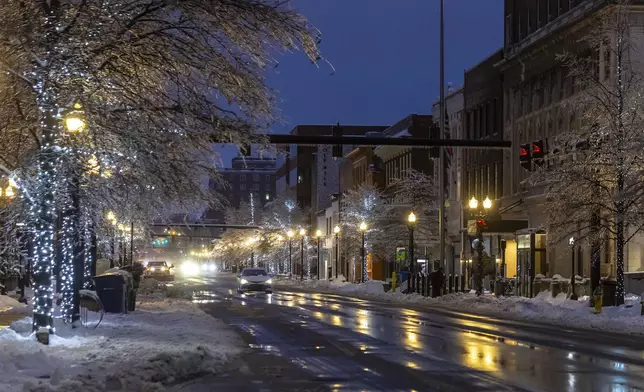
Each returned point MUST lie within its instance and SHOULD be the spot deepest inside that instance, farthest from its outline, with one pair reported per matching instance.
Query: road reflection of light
(269, 298)
(318, 315)
(572, 380)
(481, 356)
(411, 365)
(243, 303)
(335, 307)
(363, 348)
(619, 365)
(363, 320)
(571, 355)
(316, 296)
(317, 303)
(337, 321)
(230, 292)
(290, 304)
(409, 312)
(411, 341)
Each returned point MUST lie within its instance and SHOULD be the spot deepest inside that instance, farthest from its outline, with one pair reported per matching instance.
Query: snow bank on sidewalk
(543, 308)
(162, 343)
(11, 305)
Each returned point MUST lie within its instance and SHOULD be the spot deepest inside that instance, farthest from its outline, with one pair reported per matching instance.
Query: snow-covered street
(543, 308)
(165, 341)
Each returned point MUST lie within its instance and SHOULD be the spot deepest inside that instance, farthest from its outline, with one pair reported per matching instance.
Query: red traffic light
(523, 150)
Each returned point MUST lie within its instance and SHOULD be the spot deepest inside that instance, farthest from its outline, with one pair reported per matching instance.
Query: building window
(255, 177)
(268, 177)
(267, 187)
(255, 187)
(299, 179)
(242, 177)
(242, 187)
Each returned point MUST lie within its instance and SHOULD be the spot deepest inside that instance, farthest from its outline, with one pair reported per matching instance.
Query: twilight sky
(386, 59)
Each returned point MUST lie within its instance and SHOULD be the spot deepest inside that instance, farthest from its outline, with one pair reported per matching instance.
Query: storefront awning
(498, 227)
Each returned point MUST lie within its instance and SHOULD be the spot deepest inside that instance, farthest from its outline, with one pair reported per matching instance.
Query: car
(159, 270)
(254, 279)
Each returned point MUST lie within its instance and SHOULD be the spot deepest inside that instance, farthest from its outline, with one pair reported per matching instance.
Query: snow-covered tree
(158, 82)
(593, 174)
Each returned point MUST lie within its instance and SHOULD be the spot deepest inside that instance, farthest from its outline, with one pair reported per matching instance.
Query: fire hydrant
(598, 296)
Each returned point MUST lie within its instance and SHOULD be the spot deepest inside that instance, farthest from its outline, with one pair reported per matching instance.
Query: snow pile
(11, 305)
(543, 308)
(336, 286)
(162, 343)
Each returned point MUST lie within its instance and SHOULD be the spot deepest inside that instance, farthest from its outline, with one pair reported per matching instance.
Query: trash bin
(609, 287)
(136, 270)
(112, 291)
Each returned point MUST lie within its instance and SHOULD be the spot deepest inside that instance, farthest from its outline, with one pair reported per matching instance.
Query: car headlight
(153, 269)
(270, 281)
(163, 268)
(244, 281)
(189, 268)
(204, 267)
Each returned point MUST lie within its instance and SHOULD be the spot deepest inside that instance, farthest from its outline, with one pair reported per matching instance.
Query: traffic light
(538, 152)
(524, 156)
(337, 148)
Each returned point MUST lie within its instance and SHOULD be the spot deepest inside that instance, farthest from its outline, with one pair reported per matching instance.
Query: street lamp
(480, 223)
(74, 120)
(411, 222)
(290, 235)
(571, 242)
(318, 234)
(363, 229)
(336, 230)
(302, 235)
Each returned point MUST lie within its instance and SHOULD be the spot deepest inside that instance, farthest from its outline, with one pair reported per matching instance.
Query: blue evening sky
(386, 59)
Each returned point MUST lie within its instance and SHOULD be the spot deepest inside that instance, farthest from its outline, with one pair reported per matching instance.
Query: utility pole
(441, 155)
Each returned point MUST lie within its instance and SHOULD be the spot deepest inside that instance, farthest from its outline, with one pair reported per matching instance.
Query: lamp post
(363, 229)
(302, 235)
(290, 234)
(411, 222)
(336, 230)
(571, 242)
(480, 223)
(318, 234)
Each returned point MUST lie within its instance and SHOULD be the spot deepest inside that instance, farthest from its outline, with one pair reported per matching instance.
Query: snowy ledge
(542, 309)
(165, 341)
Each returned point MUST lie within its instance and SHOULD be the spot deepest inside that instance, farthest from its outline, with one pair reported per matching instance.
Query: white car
(254, 279)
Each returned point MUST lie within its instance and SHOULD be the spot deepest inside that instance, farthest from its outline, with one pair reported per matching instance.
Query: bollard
(422, 286)
(393, 282)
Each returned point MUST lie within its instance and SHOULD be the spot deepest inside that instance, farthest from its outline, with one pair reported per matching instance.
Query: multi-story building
(310, 174)
(536, 88)
(249, 179)
(454, 173)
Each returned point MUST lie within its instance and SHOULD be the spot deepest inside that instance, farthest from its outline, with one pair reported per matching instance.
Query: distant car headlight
(204, 267)
(212, 267)
(189, 268)
(270, 281)
(244, 281)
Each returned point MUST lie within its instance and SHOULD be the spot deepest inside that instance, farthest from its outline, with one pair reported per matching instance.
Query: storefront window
(540, 241)
(635, 254)
(523, 241)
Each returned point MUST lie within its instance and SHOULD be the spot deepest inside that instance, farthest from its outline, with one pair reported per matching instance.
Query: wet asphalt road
(320, 342)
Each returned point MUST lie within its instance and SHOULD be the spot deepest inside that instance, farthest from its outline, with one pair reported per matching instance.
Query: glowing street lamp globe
(363, 226)
(474, 204)
(487, 203)
(336, 229)
(302, 232)
(290, 234)
(318, 233)
(411, 218)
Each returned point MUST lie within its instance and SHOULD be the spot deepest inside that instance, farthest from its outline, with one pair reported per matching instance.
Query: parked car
(254, 279)
(159, 270)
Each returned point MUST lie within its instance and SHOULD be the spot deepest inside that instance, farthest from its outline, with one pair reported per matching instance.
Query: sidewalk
(542, 309)
(164, 342)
